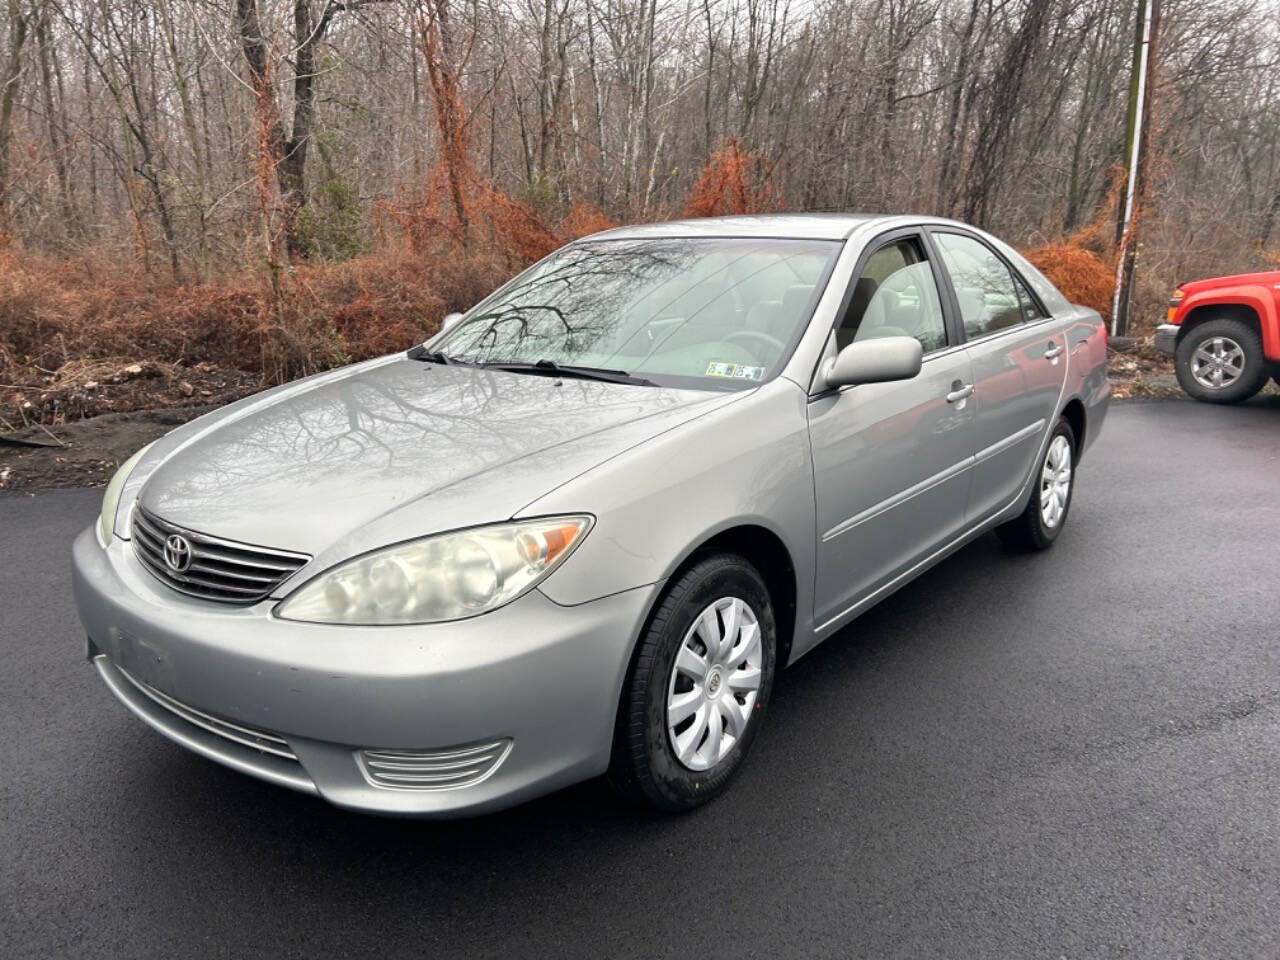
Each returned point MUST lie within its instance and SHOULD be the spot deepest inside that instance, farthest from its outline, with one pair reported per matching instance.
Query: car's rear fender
(1087, 383)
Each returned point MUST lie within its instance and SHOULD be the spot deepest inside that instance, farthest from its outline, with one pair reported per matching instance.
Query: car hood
(399, 449)
(1235, 280)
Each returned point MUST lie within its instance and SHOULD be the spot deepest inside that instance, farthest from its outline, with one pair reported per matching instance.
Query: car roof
(807, 226)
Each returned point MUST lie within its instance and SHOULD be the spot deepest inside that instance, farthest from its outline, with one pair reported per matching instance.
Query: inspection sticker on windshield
(734, 371)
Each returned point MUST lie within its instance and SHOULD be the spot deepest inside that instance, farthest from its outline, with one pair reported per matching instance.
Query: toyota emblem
(177, 553)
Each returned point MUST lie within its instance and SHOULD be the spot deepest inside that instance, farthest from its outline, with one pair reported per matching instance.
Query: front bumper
(542, 676)
(1166, 337)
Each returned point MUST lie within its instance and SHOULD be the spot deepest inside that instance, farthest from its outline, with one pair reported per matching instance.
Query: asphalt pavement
(1074, 754)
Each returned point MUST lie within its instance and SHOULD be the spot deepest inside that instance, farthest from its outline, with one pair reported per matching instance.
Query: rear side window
(985, 288)
(1049, 295)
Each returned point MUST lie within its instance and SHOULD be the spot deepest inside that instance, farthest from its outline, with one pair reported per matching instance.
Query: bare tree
(289, 150)
(169, 127)
(10, 81)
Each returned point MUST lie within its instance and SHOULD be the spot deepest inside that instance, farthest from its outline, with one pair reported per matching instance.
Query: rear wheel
(698, 686)
(1221, 361)
(1040, 523)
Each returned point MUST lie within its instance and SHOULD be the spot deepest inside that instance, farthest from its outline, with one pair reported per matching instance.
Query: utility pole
(1136, 142)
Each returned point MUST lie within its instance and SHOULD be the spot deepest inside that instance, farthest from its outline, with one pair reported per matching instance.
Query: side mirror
(875, 361)
(449, 320)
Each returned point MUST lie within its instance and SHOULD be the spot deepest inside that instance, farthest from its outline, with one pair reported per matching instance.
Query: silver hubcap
(714, 683)
(1217, 363)
(1055, 481)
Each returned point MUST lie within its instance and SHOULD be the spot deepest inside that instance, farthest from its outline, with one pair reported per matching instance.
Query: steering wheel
(757, 337)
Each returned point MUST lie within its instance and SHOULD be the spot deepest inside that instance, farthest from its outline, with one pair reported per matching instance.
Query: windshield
(676, 311)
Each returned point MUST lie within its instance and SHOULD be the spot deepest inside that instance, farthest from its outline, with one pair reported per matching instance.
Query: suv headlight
(449, 576)
(111, 498)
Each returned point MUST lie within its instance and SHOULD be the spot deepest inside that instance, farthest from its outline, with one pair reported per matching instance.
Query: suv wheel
(696, 692)
(1221, 361)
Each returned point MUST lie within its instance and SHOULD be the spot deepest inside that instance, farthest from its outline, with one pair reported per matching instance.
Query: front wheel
(1221, 361)
(1040, 523)
(696, 692)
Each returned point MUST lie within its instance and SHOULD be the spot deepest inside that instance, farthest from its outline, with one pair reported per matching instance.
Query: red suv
(1224, 335)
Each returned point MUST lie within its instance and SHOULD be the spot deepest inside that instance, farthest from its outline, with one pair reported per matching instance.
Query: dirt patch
(85, 453)
(1142, 371)
(73, 427)
(85, 388)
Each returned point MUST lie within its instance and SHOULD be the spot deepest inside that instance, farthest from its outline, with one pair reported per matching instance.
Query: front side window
(983, 284)
(895, 296)
(698, 312)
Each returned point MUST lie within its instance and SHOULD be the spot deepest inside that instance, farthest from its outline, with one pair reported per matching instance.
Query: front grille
(432, 770)
(219, 569)
(246, 736)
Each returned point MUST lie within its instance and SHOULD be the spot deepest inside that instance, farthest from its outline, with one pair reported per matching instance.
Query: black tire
(1029, 531)
(1249, 381)
(644, 766)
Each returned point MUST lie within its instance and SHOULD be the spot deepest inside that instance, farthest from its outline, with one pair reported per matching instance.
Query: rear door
(890, 459)
(1019, 362)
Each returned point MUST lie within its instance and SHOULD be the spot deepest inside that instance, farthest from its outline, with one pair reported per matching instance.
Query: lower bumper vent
(432, 770)
(245, 736)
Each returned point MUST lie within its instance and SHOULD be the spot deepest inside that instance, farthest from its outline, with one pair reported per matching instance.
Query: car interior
(985, 289)
(723, 319)
(896, 296)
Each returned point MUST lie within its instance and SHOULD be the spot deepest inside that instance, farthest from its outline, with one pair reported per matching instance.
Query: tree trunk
(54, 125)
(1268, 221)
(288, 154)
(181, 82)
(444, 75)
(995, 133)
(307, 34)
(9, 95)
(953, 145)
(270, 131)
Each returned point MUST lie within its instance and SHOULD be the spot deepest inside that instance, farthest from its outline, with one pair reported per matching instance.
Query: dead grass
(86, 334)
(70, 322)
(734, 181)
(1081, 275)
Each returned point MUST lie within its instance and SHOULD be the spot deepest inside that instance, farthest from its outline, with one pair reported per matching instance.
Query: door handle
(959, 392)
(1054, 350)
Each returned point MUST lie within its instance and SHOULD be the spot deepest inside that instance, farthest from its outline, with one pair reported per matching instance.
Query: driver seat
(779, 319)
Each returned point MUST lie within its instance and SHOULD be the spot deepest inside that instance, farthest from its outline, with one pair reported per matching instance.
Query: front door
(1019, 367)
(890, 459)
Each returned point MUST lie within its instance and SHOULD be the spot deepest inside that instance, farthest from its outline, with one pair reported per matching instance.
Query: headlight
(445, 577)
(111, 499)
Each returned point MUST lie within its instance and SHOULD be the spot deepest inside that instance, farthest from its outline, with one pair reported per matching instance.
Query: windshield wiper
(553, 369)
(543, 367)
(420, 352)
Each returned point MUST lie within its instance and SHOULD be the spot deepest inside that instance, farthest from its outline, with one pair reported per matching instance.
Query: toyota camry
(580, 530)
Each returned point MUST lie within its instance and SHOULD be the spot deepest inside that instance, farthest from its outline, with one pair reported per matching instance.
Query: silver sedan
(580, 530)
